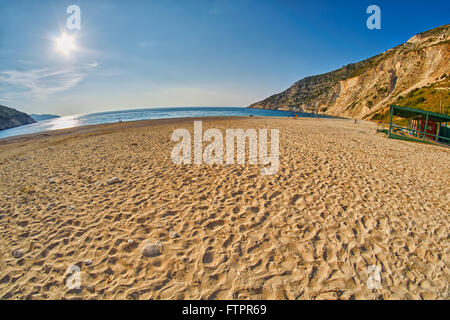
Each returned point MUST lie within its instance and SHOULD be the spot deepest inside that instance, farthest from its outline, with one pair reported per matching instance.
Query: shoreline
(87, 118)
(106, 126)
(133, 124)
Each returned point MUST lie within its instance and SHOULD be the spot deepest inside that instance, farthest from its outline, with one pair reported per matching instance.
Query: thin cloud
(42, 83)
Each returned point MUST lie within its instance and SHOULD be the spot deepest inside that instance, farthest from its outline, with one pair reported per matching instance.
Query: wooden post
(425, 127)
(390, 122)
(438, 126)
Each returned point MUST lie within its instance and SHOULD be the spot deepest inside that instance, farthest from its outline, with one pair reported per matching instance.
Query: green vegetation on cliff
(435, 98)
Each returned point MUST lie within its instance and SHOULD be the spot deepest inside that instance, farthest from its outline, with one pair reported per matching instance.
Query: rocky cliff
(407, 74)
(10, 118)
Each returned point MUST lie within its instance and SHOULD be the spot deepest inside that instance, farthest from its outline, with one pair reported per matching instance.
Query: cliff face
(10, 118)
(365, 89)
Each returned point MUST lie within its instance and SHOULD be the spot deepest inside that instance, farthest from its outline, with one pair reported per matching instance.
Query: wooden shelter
(421, 125)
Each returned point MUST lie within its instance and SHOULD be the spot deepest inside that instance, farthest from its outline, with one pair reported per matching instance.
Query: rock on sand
(113, 181)
(151, 250)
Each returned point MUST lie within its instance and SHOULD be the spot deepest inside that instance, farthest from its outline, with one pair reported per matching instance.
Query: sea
(144, 114)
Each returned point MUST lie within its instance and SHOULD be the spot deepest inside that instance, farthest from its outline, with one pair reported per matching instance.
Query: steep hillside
(365, 89)
(10, 118)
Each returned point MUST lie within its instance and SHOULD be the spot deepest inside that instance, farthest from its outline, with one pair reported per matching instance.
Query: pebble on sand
(18, 254)
(151, 250)
(88, 262)
(174, 235)
(113, 180)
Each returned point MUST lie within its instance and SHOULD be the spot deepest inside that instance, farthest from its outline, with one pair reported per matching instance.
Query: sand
(345, 198)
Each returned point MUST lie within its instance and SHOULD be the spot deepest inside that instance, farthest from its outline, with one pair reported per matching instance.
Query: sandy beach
(345, 198)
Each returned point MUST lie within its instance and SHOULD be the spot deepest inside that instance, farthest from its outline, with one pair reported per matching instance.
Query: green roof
(406, 112)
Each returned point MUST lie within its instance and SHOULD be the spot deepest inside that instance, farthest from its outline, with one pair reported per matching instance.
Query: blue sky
(162, 53)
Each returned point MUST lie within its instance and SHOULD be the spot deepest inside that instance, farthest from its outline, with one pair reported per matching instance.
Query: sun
(65, 44)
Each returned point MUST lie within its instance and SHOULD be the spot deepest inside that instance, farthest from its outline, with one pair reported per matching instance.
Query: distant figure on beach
(356, 121)
(120, 120)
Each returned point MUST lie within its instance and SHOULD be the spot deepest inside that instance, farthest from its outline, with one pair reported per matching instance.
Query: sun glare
(65, 44)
